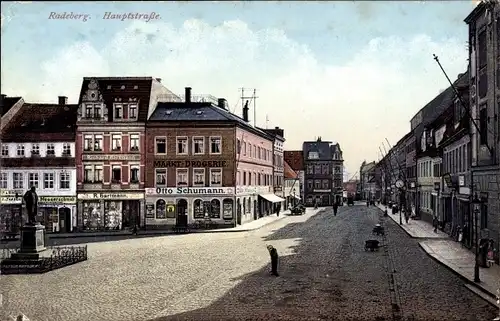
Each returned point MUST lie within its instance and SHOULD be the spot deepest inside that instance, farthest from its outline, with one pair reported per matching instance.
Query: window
(66, 149)
(482, 50)
(215, 209)
(215, 145)
(483, 125)
(325, 184)
(51, 150)
(33, 180)
(48, 180)
(309, 184)
(18, 180)
(134, 173)
(87, 142)
(259, 154)
(98, 174)
(161, 177)
(161, 209)
(134, 142)
(238, 146)
(98, 142)
(198, 209)
(216, 176)
(244, 149)
(5, 150)
(182, 176)
(97, 112)
(482, 89)
(35, 149)
(88, 111)
(317, 169)
(182, 146)
(118, 111)
(324, 168)
(244, 178)
(132, 111)
(116, 173)
(3, 180)
(116, 141)
(484, 214)
(317, 184)
(161, 145)
(64, 180)
(199, 176)
(198, 145)
(249, 178)
(20, 150)
(310, 169)
(87, 174)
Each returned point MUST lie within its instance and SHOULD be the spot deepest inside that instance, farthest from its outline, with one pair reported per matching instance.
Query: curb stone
(464, 278)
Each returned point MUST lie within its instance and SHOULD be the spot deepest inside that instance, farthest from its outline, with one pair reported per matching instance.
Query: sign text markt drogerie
(189, 163)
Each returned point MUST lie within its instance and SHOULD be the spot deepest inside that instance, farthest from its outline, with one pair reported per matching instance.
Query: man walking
(274, 260)
(335, 208)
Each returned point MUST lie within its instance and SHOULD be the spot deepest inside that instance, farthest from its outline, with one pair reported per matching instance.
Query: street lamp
(476, 206)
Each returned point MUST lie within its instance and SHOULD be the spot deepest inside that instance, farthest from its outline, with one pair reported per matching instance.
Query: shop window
(227, 208)
(113, 215)
(198, 209)
(92, 216)
(161, 209)
(48, 216)
(215, 209)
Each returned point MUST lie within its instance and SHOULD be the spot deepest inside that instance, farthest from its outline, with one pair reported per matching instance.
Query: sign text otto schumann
(188, 163)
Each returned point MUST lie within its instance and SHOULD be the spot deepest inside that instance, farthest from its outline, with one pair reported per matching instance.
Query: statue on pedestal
(31, 201)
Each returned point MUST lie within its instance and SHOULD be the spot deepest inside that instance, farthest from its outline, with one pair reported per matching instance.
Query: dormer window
(51, 151)
(35, 149)
(132, 111)
(313, 155)
(20, 150)
(118, 111)
(88, 111)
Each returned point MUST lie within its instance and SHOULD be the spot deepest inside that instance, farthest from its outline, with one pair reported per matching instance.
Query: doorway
(64, 220)
(181, 218)
(131, 210)
(238, 212)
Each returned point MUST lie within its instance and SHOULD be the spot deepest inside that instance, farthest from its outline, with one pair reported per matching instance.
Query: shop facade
(56, 213)
(169, 206)
(105, 211)
(254, 202)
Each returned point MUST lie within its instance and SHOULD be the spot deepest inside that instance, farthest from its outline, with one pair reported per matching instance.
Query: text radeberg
(189, 163)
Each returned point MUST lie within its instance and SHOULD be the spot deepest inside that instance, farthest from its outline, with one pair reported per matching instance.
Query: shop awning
(272, 198)
(297, 197)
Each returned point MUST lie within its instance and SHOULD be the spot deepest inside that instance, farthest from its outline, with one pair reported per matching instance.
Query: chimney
(187, 94)
(63, 100)
(221, 102)
(276, 128)
(158, 80)
(245, 111)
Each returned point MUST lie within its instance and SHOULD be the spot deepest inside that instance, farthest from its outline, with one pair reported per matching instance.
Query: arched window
(161, 209)
(227, 208)
(198, 209)
(215, 208)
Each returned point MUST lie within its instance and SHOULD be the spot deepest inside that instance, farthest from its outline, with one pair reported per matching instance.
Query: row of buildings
(131, 152)
(451, 155)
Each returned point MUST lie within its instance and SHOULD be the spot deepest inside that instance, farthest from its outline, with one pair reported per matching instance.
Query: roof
(199, 112)
(319, 146)
(295, 159)
(288, 172)
(275, 132)
(42, 122)
(476, 12)
(8, 103)
(111, 88)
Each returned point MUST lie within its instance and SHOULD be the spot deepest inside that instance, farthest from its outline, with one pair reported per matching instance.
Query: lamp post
(476, 205)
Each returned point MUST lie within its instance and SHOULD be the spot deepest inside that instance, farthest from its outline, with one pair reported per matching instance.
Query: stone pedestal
(32, 242)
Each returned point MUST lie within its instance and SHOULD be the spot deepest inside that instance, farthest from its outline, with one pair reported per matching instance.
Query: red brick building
(110, 149)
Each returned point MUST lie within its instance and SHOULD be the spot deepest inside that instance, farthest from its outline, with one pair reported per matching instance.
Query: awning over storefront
(296, 196)
(272, 198)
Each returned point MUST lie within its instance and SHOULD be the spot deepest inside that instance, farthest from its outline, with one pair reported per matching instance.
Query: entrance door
(130, 213)
(181, 218)
(64, 220)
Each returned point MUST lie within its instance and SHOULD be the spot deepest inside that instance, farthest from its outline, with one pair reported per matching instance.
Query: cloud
(358, 103)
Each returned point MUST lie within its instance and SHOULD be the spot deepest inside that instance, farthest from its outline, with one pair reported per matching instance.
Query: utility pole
(250, 98)
(267, 121)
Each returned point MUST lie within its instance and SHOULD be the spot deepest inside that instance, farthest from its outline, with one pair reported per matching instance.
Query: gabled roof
(288, 172)
(125, 88)
(295, 159)
(199, 112)
(8, 103)
(42, 123)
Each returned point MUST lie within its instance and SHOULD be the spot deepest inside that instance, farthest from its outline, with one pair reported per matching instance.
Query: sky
(351, 72)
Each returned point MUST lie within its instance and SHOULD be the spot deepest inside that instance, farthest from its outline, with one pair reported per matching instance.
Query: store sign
(111, 196)
(189, 163)
(111, 157)
(10, 200)
(190, 191)
(57, 199)
(253, 189)
(322, 190)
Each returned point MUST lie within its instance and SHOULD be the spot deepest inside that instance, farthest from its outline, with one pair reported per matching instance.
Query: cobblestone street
(325, 275)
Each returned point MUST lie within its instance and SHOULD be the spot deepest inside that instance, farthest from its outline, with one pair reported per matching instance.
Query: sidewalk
(250, 226)
(452, 254)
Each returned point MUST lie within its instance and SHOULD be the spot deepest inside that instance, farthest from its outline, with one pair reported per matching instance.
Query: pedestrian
(335, 208)
(134, 230)
(278, 209)
(435, 223)
(274, 260)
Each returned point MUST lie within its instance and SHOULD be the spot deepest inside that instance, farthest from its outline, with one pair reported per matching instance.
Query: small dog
(274, 260)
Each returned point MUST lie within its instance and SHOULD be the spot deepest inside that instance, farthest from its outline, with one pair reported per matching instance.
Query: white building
(38, 149)
(292, 190)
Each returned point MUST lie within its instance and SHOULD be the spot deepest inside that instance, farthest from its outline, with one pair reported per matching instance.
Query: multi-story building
(291, 186)
(38, 149)
(411, 174)
(10, 106)
(295, 158)
(278, 161)
(338, 173)
(484, 76)
(319, 164)
(367, 179)
(205, 162)
(110, 150)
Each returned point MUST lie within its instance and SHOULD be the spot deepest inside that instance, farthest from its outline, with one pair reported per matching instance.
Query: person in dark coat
(274, 260)
(335, 208)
